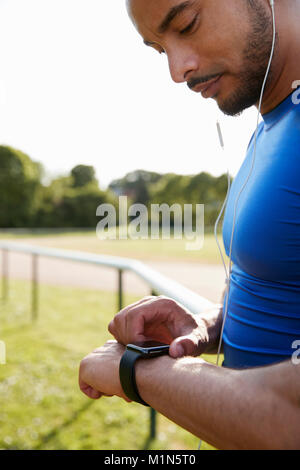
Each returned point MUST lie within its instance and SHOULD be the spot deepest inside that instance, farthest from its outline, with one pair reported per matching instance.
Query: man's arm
(231, 409)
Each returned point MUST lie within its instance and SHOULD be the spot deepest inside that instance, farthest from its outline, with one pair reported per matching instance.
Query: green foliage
(19, 186)
(154, 188)
(72, 200)
(170, 189)
(202, 188)
(71, 207)
(69, 201)
(136, 185)
(83, 175)
(78, 207)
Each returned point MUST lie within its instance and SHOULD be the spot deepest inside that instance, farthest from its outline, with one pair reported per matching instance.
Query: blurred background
(88, 113)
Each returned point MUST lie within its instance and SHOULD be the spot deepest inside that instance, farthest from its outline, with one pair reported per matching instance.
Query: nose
(182, 65)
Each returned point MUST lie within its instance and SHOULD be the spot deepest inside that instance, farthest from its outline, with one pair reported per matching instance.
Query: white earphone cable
(228, 273)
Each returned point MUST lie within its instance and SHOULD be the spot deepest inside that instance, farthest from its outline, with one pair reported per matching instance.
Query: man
(221, 49)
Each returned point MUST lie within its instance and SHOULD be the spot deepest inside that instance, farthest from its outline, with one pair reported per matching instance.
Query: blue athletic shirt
(264, 298)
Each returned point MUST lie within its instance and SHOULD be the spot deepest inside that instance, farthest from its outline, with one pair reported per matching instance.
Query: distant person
(222, 49)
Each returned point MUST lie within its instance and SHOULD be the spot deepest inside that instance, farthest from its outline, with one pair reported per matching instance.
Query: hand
(99, 372)
(161, 319)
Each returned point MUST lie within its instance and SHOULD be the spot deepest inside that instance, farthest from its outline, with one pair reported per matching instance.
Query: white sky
(77, 85)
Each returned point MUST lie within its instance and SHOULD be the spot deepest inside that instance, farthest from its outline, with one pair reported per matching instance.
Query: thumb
(184, 346)
(89, 391)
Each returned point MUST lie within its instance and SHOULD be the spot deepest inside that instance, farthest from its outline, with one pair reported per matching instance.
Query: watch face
(149, 348)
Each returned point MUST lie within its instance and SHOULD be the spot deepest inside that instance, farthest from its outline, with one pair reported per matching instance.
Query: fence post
(120, 289)
(153, 414)
(34, 291)
(4, 275)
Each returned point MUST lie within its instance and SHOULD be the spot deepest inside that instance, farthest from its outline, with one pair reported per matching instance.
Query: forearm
(248, 409)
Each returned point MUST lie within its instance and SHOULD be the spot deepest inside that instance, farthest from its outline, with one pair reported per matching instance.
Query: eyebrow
(171, 15)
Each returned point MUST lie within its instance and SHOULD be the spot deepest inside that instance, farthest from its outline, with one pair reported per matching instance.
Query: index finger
(118, 325)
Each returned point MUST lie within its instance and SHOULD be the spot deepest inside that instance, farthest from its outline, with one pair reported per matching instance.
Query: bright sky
(77, 85)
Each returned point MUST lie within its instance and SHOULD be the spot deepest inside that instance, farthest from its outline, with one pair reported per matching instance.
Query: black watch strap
(127, 375)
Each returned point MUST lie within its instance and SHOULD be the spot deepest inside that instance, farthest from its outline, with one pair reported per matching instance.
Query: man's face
(218, 47)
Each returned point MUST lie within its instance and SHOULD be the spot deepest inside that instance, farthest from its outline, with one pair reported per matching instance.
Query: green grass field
(154, 250)
(41, 404)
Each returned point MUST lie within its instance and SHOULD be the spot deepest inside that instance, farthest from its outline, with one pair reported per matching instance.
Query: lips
(205, 86)
(202, 87)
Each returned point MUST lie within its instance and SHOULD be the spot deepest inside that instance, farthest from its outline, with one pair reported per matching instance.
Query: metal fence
(158, 283)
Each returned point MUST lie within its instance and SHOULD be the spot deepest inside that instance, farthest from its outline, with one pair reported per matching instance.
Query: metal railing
(158, 283)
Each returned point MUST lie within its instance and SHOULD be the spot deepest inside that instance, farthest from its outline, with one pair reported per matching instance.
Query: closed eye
(154, 46)
(189, 27)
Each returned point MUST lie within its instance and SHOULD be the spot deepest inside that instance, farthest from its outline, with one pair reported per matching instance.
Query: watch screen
(150, 344)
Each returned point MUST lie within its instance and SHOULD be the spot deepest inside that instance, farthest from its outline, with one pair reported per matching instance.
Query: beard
(255, 61)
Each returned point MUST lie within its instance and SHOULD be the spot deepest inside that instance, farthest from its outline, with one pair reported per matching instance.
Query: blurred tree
(72, 201)
(201, 188)
(135, 185)
(83, 175)
(58, 187)
(170, 189)
(77, 208)
(66, 206)
(19, 188)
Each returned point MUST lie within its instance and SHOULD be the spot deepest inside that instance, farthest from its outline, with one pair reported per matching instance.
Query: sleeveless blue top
(263, 317)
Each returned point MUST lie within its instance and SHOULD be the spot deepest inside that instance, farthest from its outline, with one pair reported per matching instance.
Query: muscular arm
(255, 408)
(250, 409)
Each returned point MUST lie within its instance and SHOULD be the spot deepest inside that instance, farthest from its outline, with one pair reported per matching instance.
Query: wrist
(133, 354)
(149, 376)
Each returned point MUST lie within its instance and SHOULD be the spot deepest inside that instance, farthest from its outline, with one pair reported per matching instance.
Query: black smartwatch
(146, 350)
